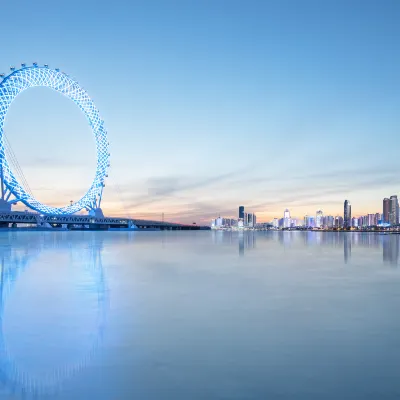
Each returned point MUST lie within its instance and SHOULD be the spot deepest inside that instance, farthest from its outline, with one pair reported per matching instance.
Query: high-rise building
(275, 223)
(386, 210)
(286, 219)
(241, 212)
(347, 214)
(254, 220)
(365, 220)
(250, 222)
(329, 221)
(339, 221)
(394, 210)
(371, 220)
(311, 222)
(245, 219)
(319, 219)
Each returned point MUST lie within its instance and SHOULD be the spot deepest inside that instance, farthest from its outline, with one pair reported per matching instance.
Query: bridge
(15, 219)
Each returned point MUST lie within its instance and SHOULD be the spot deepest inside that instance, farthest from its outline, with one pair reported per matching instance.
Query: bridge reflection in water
(19, 259)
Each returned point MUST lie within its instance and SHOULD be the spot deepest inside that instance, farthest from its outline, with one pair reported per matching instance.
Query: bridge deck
(17, 217)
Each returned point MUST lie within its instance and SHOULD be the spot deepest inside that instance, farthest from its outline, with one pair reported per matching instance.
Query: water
(199, 315)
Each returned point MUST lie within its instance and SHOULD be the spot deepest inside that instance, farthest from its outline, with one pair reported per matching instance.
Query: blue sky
(212, 104)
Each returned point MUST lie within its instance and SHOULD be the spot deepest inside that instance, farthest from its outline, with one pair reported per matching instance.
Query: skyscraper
(250, 220)
(286, 219)
(347, 214)
(394, 210)
(386, 210)
(241, 212)
(318, 219)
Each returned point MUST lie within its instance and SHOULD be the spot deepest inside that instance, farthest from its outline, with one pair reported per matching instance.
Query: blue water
(199, 315)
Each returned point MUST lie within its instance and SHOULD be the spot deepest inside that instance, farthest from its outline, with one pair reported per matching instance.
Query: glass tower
(386, 210)
(347, 214)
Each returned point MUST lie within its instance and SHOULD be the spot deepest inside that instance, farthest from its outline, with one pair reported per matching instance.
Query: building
(250, 221)
(354, 222)
(241, 212)
(339, 221)
(309, 222)
(371, 220)
(286, 219)
(394, 210)
(347, 214)
(386, 210)
(275, 223)
(329, 221)
(319, 219)
(245, 219)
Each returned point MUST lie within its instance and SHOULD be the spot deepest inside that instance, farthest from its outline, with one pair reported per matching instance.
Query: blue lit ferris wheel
(32, 76)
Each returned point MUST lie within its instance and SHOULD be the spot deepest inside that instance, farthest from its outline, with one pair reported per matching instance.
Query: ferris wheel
(12, 189)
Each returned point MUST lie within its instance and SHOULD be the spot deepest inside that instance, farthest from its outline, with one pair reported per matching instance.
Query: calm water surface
(199, 315)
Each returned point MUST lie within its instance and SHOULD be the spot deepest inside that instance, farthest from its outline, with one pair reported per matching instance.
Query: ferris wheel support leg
(4, 204)
(100, 198)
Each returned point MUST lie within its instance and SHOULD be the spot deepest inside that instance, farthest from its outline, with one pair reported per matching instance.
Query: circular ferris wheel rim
(26, 77)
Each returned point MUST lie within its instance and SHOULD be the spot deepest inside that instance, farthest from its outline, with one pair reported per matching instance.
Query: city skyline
(389, 217)
(249, 106)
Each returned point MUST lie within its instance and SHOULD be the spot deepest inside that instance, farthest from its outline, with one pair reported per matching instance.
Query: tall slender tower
(286, 219)
(394, 210)
(386, 210)
(318, 219)
(347, 214)
(241, 212)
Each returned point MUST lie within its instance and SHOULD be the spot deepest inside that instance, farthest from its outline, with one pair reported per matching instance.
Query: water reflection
(70, 257)
(247, 240)
(390, 245)
(349, 241)
(346, 247)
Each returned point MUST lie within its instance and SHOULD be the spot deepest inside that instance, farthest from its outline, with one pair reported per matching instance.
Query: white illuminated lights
(25, 78)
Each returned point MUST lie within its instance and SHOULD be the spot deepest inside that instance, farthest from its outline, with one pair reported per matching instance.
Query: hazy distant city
(388, 219)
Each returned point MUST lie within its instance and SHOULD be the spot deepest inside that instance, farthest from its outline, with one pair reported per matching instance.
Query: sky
(210, 105)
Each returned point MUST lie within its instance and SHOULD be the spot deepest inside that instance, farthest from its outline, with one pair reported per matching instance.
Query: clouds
(185, 198)
(181, 187)
(189, 198)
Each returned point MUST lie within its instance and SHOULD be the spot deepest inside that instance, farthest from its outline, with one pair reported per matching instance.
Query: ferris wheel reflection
(18, 258)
